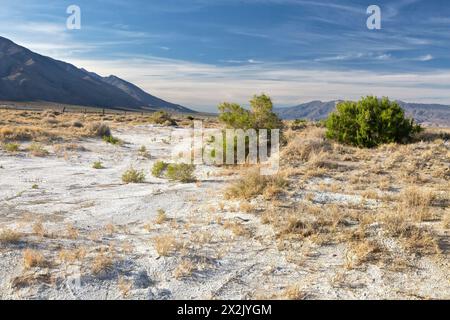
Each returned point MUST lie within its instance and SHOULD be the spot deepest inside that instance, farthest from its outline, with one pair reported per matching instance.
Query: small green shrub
(34, 186)
(158, 168)
(370, 122)
(299, 124)
(37, 150)
(112, 140)
(133, 176)
(182, 172)
(98, 165)
(11, 147)
(143, 152)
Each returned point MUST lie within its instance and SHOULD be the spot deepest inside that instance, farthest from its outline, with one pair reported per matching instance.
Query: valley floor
(73, 232)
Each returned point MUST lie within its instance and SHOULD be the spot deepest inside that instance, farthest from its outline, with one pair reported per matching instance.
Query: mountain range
(28, 76)
(432, 114)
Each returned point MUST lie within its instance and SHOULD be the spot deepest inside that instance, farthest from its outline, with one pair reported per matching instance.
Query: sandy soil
(118, 220)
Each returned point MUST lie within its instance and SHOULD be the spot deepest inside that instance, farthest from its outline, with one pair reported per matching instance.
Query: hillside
(28, 76)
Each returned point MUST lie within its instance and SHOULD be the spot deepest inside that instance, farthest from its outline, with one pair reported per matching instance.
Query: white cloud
(204, 86)
(427, 57)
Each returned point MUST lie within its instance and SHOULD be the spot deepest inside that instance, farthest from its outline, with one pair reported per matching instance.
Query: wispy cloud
(427, 57)
(203, 86)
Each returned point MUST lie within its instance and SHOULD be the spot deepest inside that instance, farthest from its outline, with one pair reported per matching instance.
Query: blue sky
(201, 52)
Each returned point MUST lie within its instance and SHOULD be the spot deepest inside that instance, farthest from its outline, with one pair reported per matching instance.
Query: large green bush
(370, 122)
(261, 115)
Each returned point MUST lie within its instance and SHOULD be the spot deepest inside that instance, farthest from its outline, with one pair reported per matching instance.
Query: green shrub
(158, 168)
(111, 139)
(143, 152)
(299, 124)
(369, 123)
(98, 165)
(261, 116)
(133, 176)
(182, 172)
(37, 150)
(11, 147)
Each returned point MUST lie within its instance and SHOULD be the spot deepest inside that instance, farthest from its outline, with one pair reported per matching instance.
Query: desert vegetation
(370, 122)
(181, 172)
(366, 217)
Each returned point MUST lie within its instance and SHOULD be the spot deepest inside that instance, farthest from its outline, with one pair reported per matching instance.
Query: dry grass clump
(253, 183)
(446, 221)
(246, 207)
(28, 280)
(39, 229)
(143, 152)
(362, 252)
(309, 142)
(162, 118)
(238, 229)
(11, 147)
(33, 258)
(10, 236)
(415, 197)
(164, 244)
(102, 263)
(63, 148)
(414, 238)
(184, 269)
(72, 232)
(37, 150)
(71, 256)
(98, 129)
(293, 292)
(23, 133)
(161, 216)
(110, 229)
(125, 286)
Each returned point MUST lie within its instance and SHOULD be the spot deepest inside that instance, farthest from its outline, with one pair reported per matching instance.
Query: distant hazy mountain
(316, 110)
(28, 76)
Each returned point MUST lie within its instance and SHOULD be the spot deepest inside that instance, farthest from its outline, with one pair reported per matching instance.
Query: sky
(199, 53)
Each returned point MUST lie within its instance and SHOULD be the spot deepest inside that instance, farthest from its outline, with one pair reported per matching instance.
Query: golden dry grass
(184, 269)
(103, 262)
(10, 236)
(51, 125)
(252, 183)
(72, 255)
(161, 216)
(165, 244)
(400, 188)
(33, 258)
(238, 229)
